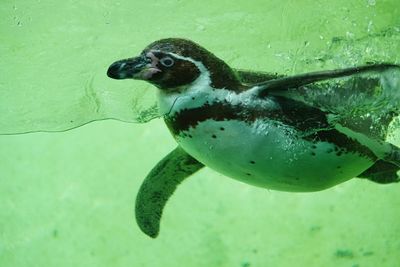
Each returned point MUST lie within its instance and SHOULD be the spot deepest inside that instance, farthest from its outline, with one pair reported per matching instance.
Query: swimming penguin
(252, 127)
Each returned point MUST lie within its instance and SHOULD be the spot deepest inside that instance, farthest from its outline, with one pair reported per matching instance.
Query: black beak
(126, 68)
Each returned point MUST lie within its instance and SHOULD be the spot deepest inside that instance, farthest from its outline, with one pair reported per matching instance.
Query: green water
(67, 198)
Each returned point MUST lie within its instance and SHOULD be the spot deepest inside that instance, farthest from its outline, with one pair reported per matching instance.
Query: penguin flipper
(159, 185)
(252, 77)
(283, 84)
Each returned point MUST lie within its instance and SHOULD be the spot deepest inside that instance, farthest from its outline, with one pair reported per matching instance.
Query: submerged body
(262, 151)
(284, 133)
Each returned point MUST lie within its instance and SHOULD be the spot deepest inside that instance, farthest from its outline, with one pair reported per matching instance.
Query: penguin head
(172, 63)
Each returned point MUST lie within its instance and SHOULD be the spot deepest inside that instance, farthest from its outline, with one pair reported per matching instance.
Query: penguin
(259, 128)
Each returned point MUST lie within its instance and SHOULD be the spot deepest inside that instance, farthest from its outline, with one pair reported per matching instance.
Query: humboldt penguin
(255, 127)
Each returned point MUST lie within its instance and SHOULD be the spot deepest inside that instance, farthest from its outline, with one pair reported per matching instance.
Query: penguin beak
(127, 68)
(139, 68)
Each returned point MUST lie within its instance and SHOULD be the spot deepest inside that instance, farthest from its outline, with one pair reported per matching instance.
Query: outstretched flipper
(252, 77)
(159, 185)
(285, 83)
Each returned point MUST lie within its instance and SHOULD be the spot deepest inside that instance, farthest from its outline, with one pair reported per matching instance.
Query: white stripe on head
(199, 89)
(200, 92)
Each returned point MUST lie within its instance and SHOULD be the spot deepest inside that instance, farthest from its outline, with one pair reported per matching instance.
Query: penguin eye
(167, 61)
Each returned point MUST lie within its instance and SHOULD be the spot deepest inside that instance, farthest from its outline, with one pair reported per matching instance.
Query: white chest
(269, 155)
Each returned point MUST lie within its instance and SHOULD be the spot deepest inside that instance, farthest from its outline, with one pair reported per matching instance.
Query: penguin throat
(194, 94)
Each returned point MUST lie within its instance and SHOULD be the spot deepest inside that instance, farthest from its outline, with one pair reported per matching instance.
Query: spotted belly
(268, 154)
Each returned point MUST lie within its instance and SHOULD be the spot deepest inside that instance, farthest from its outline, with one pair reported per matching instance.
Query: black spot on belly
(252, 162)
(190, 136)
(313, 154)
(248, 174)
(313, 146)
(213, 136)
(222, 128)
